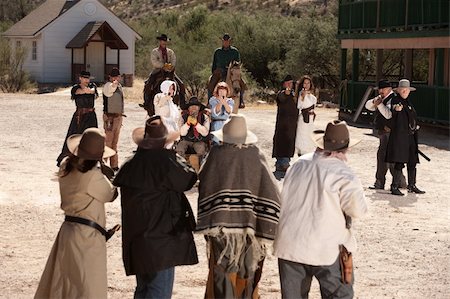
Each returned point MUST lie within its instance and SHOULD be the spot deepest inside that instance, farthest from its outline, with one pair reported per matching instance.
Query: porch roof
(104, 30)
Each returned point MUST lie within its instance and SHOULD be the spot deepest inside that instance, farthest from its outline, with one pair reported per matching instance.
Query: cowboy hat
(404, 83)
(335, 138)
(226, 36)
(194, 101)
(288, 78)
(163, 37)
(384, 83)
(86, 74)
(90, 145)
(154, 135)
(235, 131)
(114, 72)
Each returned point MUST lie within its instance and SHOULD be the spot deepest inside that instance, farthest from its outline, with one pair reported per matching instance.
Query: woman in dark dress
(84, 95)
(286, 126)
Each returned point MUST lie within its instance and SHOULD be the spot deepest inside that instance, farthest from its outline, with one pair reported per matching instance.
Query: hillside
(12, 11)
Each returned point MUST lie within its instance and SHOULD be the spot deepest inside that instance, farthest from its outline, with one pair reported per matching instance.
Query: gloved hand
(192, 120)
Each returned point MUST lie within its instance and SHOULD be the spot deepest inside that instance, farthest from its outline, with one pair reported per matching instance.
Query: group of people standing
(396, 125)
(241, 211)
(295, 121)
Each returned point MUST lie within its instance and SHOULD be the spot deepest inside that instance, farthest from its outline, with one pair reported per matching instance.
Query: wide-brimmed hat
(90, 145)
(85, 74)
(235, 131)
(193, 101)
(404, 83)
(384, 83)
(154, 135)
(288, 78)
(114, 72)
(163, 37)
(226, 36)
(336, 137)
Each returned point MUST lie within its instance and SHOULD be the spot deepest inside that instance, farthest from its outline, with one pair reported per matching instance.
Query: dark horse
(152, 87)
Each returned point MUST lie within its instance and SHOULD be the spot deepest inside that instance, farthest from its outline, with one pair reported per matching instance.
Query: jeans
(157, 285)
(296, 280)
(282, 162)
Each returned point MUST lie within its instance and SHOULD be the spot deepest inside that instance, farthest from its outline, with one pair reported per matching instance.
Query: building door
(95, 60)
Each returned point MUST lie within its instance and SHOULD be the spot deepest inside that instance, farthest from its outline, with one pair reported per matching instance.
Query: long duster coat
(402, 145)
(286, 126)
(76, 267)
(157, 220)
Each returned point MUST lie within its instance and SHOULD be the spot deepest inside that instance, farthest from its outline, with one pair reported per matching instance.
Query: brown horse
(234, 81)
(152, 87)
(236, 84)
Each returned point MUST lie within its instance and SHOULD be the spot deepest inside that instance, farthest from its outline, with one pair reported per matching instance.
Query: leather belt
(108, 234)
(85, 110)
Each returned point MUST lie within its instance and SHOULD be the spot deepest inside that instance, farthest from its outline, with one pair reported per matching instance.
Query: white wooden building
(64, 37)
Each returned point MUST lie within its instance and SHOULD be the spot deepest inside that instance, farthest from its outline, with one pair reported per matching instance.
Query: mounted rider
(162, 58)
(221, 60)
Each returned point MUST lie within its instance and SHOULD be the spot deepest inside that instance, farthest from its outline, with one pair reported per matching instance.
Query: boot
(414, 189)
(396, 191)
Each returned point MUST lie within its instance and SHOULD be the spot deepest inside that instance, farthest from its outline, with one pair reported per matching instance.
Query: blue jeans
(282, 162)
(157, 285)
(296, 280)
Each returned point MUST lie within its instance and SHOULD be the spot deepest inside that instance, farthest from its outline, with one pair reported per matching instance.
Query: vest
(114, 103)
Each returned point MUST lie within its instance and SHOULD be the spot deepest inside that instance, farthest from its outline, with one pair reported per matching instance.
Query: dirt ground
(403, 241)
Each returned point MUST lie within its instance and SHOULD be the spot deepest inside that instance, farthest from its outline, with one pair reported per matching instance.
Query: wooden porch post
(343, 64)
(72, 75)
(355, 65)
(409, 64)
(379, 71)
(431, 64)
(439, 69)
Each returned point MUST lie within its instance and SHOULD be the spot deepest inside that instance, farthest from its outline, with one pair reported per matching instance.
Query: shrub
(12, 76)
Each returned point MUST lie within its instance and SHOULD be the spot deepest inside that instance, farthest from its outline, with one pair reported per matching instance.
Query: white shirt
(385, 110)
(316, 191)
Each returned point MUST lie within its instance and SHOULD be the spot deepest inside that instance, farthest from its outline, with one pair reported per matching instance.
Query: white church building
(64, 37)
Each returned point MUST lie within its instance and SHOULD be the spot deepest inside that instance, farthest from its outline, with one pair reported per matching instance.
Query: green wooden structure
(406, 25)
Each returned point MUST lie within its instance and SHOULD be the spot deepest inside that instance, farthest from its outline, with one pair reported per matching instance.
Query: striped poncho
(237, 192)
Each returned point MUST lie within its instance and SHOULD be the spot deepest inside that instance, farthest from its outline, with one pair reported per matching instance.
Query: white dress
(303, 139)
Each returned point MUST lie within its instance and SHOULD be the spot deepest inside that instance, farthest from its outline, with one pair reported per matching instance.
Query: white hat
(235, 131)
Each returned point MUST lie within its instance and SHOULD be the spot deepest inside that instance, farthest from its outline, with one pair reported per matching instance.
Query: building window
(34, 51)
(18, 44)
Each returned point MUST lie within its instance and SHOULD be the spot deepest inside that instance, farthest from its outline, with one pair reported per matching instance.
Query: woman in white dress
(306, 102)
(165, 107)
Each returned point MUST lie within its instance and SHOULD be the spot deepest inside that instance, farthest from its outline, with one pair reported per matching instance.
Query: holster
(307, 112)
(346, 262)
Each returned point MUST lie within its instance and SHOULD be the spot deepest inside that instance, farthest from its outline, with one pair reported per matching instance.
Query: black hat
(226, 36)
(194, 101)
(288, 78)
(114, 72)
(163, 37)
(85, 74)
(383, 84)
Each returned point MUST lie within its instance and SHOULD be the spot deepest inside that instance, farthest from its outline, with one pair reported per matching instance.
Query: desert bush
(12, 76)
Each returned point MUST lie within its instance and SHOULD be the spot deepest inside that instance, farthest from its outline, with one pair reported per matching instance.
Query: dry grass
(135, 94)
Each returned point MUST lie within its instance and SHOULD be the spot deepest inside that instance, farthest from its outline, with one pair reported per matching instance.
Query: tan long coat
(76, 267)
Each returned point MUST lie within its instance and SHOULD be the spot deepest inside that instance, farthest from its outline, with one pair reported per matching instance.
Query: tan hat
(154, 135)
(404, 83)
(90, 145)
(336, 137)
(235, 131)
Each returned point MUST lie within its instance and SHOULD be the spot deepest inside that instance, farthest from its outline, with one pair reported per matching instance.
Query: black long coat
(286, 126)
(402, 145)
(157, 219)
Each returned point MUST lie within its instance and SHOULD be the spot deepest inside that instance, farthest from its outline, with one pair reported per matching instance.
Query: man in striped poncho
(238, 210)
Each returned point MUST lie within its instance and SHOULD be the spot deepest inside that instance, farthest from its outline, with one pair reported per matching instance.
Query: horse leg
(241, 100)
